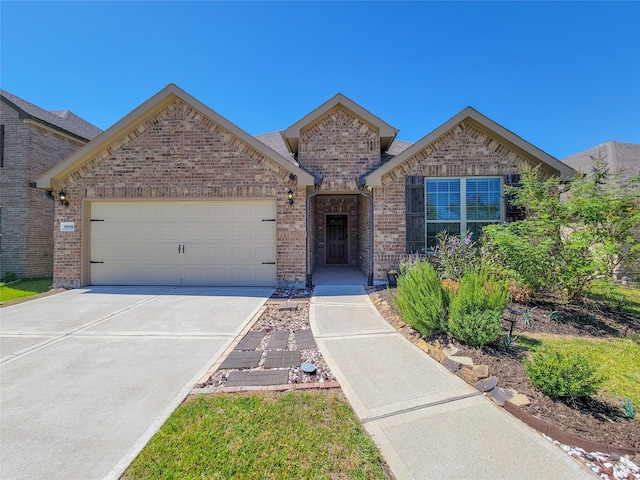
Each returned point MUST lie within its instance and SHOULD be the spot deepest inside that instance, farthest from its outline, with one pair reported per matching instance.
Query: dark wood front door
(337, 239)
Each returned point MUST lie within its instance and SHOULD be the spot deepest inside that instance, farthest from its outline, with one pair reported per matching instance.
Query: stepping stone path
(276, 356)
(271, 352)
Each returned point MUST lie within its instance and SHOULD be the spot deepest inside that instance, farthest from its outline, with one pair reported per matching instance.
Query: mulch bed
(597, 418)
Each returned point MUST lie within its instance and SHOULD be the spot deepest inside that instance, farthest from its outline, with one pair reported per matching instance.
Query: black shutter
(512, 213)
(415, 215)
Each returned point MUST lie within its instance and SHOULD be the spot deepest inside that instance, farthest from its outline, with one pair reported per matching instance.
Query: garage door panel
(266, 275)
(265, 232)
(265, 254)
(218, 232)
(242, 232)
(242, 211)
(265, 210)
(184, 243)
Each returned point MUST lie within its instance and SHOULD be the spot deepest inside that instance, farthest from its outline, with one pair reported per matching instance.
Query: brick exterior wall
(462, 151)
(341, 147)
(27, 215)
(313, 227)
(181, 154)
(364, 242)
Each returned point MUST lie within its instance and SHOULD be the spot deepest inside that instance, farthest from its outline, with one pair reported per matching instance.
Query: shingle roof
(621, 157)
(61, 119)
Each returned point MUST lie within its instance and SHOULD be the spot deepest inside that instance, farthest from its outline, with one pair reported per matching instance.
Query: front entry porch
(339, 237)
(338, 275)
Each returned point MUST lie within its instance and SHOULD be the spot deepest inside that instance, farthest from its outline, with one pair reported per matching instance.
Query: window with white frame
(454, 205)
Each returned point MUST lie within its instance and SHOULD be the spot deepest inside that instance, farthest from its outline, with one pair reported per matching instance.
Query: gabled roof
(63, 120)
(149, 108)
(621, 157)
(486, 125)
(387, 132)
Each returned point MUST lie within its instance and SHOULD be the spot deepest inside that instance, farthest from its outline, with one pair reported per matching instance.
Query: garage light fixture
(290, 196)
(63, 198)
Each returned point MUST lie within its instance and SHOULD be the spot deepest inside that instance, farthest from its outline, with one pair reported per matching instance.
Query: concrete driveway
(89, 375)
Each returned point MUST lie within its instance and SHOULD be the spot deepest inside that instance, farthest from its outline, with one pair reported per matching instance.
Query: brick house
(175, 194)
(32, 140)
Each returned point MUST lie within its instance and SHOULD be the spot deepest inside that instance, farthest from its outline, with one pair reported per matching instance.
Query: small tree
(573, 235)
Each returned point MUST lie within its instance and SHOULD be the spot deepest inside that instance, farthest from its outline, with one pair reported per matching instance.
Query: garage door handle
(268, 263)
(180, 248)
(95, 262)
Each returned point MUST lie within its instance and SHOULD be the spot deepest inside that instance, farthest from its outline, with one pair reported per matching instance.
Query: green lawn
(23, 288)
(627, 296)
(262, 435)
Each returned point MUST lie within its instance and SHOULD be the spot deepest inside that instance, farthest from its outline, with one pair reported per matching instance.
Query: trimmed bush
(420, 297)
(475, 310)
(562, 375)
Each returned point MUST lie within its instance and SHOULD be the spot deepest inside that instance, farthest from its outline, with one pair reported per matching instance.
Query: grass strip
(261, 435)
(24, 288)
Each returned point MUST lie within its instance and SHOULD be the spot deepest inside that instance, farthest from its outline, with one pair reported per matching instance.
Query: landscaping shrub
(475, 310)
(10, 277)
(563, 375)
(420, 297)
(455, 254)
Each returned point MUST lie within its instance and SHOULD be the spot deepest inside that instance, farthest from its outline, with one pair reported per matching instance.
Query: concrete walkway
(427, 422)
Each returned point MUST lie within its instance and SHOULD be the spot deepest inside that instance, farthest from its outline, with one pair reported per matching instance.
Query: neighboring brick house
(32, 140)
(175, 194)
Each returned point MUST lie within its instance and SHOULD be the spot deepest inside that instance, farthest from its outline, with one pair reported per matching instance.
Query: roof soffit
(533, 154)
(152, 106)
(386, 131)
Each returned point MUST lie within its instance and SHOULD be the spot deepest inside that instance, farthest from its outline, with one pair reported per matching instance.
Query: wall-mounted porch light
(290, 196)
(62, 197)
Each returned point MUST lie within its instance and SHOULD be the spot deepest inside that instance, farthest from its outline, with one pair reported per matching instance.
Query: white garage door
(229, 243)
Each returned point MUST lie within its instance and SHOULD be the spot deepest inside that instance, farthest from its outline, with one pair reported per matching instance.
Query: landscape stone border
(477, 376)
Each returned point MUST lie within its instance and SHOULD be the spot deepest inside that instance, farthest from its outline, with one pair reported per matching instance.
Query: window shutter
(512, 213)
(415, 215)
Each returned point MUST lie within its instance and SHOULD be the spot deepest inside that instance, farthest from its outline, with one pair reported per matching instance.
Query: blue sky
(563, 76)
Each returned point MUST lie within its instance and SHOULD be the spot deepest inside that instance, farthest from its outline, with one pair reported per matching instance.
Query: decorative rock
(452, 365)
(500, 395)
(487, 384)
(463, 360)
(467, 375)
(520, 400)
(421, 344)
(450, 350)
(482, 371)
(436, 352)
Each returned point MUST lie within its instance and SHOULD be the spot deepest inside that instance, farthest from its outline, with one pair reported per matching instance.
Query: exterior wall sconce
(62, 197)
(290, 196)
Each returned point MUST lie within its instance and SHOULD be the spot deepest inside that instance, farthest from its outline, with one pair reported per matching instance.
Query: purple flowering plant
(456, 254)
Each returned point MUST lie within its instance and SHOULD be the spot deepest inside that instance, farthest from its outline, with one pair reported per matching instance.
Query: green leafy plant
(628, 408)
(421, 298)
(10, 277)
(527, 317)
(476, 308)
(563, 375)
(509, 343)
(554, 315)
